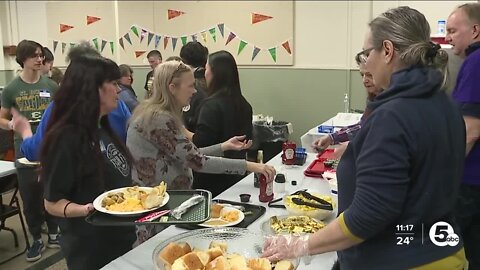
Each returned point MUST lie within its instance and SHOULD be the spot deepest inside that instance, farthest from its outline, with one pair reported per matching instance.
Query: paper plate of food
(132, 201)
(223, 216)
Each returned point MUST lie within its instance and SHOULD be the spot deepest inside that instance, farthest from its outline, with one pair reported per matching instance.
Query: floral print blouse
(162, 152)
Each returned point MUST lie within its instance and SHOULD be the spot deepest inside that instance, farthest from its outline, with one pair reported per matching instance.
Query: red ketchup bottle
(288, 156)
(266, 189)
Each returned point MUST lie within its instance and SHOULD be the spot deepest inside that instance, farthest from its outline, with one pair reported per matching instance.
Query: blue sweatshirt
(118, 119)
(402, 168)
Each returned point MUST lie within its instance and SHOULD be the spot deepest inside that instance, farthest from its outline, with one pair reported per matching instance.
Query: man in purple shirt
(463, 33)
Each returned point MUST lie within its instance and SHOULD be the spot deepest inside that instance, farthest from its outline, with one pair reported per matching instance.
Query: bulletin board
(255, 32)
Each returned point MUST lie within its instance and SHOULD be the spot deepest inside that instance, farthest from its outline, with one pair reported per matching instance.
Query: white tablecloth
(7, 168)
(340, 120)
(141, 257)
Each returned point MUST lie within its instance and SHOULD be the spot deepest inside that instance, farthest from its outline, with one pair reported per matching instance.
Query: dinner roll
(215, 210)
(220, 263)
(259, 264)
(222, 245)
(173, 251)
(284, 265)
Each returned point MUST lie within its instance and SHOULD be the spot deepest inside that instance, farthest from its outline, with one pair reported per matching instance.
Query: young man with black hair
(29, 94)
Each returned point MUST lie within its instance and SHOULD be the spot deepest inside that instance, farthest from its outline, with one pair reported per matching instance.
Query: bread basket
(241, 241)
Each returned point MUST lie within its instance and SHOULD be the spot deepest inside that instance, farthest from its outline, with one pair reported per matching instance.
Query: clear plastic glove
(281, 247)
(322, 143)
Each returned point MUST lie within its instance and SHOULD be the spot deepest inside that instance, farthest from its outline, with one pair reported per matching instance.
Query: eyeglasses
(363, 55)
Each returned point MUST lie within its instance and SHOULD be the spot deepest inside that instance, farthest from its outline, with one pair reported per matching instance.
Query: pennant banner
(213, 34)
(174, 13)
(134, 30)
(120, 41)
(286, 45)
(72, 45)
(150, 36)
(241, 46)
(127, 37)
(184, 41)
(95, 42)
(194, 37)
(230, 37)
(221, 28)
(204, 36)
(273, 53)
(165, 42)
(55, 43)
(104, 43)
(64, 45)
(111, 46)
(143, 35)
(174, 43)
(139, 53)
(256, 50)
(157, 41)
(256, 18)
(65, 27)
(92, 19)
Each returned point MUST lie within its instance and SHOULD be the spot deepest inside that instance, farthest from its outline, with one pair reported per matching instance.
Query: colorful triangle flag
(230, 37)
(134, 30)
(95, 42)
(204, 36)
(143, 35)
(174, 13)
(139, 53)
(286, 45)
(213, 34)
(194, 37)
(165, 42)
(273, 53)
(55, 43)
(256, 18)
(64, 45)
(120, 41)
(174, 43)
(221, 27)
(184, 40)
(157, 40)
(65, 27)
(150, 36)
(111, 46)
(241, 46)
(127, 37)
(92, 19)
(256, 50)
(104, 42)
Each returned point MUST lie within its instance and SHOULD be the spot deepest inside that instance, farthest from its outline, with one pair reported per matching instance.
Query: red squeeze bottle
(266, 189)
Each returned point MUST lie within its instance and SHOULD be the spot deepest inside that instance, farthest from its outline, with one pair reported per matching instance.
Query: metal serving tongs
(322, 204)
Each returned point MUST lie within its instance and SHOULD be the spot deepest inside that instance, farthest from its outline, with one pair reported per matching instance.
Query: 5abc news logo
(442, 234)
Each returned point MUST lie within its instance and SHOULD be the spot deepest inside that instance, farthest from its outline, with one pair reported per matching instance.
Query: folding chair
(8, 184)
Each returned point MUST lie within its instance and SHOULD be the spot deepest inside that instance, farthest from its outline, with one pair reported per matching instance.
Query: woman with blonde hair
(158, 142)
(401, 173)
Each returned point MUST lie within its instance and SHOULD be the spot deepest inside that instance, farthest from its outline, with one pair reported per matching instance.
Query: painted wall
(327, 34)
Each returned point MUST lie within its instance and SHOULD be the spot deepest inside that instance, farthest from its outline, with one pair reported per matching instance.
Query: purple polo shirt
(467, 96)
